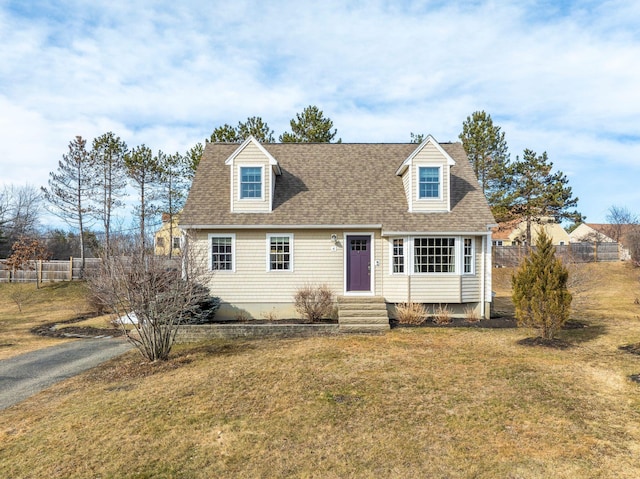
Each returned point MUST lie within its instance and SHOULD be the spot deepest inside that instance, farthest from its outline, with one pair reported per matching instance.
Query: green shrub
(540, 292)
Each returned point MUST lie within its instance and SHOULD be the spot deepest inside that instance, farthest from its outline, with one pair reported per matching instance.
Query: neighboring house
(515, 232)
(623, 234)
(385, 223)
(168, 236)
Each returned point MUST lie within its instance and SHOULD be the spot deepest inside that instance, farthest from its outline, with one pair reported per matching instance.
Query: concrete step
(363, 320)
(364, 328)
(363, 312)
(363, 307)
(360, 299)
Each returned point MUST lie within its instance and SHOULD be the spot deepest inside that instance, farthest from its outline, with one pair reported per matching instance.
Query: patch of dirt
(52, 330)
(546, 343)
(135, 368)
(631, 348)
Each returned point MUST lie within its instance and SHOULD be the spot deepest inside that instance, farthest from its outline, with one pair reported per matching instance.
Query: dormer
(426, 176)
(253, 172)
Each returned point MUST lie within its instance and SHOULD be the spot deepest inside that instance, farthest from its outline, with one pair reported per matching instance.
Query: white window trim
(405, 242)
(418, 198)
(268, 255)
(233, 252)
(473, 255)
(456, 256)
(409, 255)
(262, 182)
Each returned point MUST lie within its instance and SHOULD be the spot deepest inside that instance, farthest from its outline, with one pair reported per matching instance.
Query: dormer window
(250, 182)
(428, 182)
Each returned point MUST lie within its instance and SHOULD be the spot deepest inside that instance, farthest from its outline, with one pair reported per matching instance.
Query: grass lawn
(415, 402)
(52, 302)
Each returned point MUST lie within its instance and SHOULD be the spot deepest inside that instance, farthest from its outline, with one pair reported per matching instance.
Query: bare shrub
(270, 315)
(471, 315)
(154, 296)
(21, 295)
(314, 302)
(441, 315)
(411, 313)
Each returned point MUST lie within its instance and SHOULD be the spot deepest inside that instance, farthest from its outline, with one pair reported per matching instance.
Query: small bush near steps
(314, 302)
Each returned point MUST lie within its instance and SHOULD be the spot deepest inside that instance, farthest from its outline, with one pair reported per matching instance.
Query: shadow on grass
(218, 349)
(579, 332)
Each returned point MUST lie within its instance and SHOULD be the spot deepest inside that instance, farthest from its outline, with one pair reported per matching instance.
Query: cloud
(557, 76)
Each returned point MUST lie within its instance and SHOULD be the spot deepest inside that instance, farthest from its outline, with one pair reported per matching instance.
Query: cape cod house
(378, 223)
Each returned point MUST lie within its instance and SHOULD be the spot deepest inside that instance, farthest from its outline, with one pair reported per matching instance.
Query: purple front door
(358, 263)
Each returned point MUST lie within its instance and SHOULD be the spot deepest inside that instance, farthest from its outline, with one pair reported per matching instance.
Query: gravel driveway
(25, 375)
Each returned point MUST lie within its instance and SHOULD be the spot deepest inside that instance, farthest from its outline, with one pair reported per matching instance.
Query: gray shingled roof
(336, 184)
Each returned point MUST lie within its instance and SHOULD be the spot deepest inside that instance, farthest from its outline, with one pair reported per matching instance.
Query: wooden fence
(508, 256)
(47, 271)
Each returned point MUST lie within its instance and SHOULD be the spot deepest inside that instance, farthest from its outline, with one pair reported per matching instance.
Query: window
(428, 182)
(160, 242)
(434, 255)
(280, 256)
(176, 242)
(467, 255)
(250, 182)
(397, 256)
(222, 252)
(497, 242)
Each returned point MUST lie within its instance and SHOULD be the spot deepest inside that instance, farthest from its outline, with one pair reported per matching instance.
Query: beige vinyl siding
(431, 288)
(406, 182)
(470, 284)
(430, 156)
(313, 262)
(251, 156)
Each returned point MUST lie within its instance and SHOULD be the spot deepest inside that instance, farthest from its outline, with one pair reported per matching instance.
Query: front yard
(415, 402)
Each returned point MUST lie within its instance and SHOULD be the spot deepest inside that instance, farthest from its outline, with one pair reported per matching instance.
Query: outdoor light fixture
(334, 238)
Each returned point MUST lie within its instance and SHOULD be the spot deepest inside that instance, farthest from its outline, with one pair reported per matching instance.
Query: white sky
(561, 77)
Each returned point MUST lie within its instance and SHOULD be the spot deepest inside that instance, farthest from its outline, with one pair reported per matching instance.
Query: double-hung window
(222, 252)
(250, 182)
(397, 256)
(428, 182)
(434, 255)
(467, 255)
(280, 252)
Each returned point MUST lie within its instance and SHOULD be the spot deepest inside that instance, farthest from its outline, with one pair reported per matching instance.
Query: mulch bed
(52, 330)
(499, 322)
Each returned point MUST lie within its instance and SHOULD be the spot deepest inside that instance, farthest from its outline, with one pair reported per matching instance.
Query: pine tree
(257, 128)
(224, 134)
(310, 126)
(172, 187)
(107, 158)
(70, 189)
(533, 192)
(142, 168)
(487, 150)
(540, 292)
